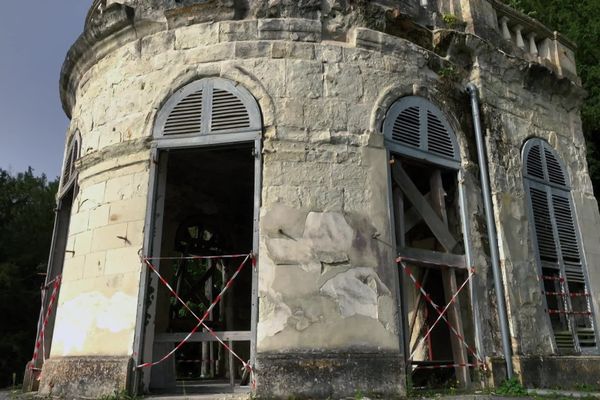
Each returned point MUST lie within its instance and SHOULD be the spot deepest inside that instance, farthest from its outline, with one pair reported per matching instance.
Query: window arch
(558, 247)
(69, 173)
(416, 128)
(206, 107)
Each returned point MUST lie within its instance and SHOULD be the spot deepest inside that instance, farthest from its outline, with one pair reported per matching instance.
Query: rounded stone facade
(323, 75)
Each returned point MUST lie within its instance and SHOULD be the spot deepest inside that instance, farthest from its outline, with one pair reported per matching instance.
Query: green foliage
(584, 387)
(511, 387)
(578, 20)
(450, 19)
(26, 220)
(448, 73)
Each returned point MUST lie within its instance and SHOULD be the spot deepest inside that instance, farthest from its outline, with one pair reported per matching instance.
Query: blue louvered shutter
(206, 107)
(416, 128)
(558, 248)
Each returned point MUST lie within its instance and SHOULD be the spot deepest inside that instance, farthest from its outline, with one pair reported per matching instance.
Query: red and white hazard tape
(553, 278)
(437, 308)
(563, 294)
(194, 257)
(38, 344)
(194, 361)
(206, 313)
(569, 312)
(425, 262)
(442, 366)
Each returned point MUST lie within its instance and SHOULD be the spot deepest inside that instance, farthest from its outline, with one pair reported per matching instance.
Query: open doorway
(428, 230)
(205, 207)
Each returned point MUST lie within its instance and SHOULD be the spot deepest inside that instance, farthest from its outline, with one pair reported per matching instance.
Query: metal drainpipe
(491, 228)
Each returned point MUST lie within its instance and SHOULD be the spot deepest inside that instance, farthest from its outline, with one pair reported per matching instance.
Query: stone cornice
(110, 27)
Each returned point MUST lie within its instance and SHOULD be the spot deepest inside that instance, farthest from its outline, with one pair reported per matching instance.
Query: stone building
(326, 138)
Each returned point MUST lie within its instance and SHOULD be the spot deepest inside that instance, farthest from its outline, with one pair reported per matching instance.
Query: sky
(35, 36)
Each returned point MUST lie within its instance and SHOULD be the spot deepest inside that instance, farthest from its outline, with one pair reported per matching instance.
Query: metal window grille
(208, 106)
(416, 128)
(558, 248)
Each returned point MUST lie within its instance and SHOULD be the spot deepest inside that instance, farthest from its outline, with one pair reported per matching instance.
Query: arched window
(69, 174)
(558, 247)
(416, 128)
(429, 223)
(207, 107)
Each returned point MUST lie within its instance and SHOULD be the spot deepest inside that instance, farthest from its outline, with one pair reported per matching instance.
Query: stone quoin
(326, 138)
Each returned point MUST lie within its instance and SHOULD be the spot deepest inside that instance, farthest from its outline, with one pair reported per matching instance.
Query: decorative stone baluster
(532, 45)
(505, 31)
(519, 37)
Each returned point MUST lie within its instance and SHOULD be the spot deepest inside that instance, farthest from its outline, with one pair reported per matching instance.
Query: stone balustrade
(96, 8)
(534, 41)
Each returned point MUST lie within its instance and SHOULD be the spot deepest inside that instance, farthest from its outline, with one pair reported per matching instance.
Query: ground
(542, 394)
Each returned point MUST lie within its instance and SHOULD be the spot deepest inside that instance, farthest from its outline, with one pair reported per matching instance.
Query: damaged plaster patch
(73, 327)
(282, 220)
(289, 252)
(356, 291)
(331, 236)
(387, 312)
(274, 316)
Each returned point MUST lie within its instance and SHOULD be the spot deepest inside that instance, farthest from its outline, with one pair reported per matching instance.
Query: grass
(123, 395)
(451, 20)
(511, 387)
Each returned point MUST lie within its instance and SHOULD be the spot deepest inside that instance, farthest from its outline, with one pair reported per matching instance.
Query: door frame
(144, 338)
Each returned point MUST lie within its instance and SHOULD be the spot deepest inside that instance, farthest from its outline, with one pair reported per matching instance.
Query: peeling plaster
(93, 311)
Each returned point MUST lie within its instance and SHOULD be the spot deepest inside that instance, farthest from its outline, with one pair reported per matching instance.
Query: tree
(26, 222)
(578, 20)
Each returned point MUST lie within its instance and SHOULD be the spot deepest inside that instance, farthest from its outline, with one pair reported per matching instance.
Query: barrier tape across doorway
(40, 342)
(201, 320)
(441, 316)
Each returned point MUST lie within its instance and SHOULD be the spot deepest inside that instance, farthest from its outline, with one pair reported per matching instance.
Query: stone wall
(327, 278)
(521, 103)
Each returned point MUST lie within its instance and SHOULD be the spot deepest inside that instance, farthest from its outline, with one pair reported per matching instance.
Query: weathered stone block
(119, 261)
(273, 29)
(109, 237)
(73, 268)
(216, 52)
(82, 243)
(156, 44)
(344, 81)
(253, 49)
(79, 222)
(304, 51)
(304, 79)
(230, 31)
(307, 30)
(326, 114)
(98, 216)
(94, 265)
(133, 209)
(292, 112)
(91, 196)
(328, 374)
(85, 376)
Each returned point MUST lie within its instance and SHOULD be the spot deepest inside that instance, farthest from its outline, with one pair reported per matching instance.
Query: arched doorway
(204, 211)
(432, 240)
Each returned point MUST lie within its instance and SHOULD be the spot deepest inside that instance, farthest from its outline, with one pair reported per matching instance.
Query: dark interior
(208, 211)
